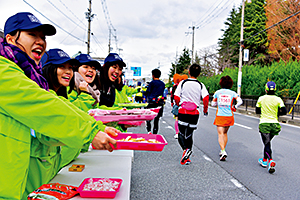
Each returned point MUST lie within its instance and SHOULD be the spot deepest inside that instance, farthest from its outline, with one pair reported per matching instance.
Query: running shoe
(223, 156)
(176, 136)
(185, 156)
(262, 163)
(188, 161)
(271, 167)
(149, 132)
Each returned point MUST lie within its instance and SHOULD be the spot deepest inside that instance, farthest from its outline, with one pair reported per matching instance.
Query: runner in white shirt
(188, 97)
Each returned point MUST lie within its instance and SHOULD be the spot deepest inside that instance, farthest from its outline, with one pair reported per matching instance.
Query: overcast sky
(149, 33)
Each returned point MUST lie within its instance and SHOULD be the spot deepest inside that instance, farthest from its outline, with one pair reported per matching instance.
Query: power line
(276, 24)
(54, 23)
(109, 25)
(210, 17)
(66, 15)
(72, 12)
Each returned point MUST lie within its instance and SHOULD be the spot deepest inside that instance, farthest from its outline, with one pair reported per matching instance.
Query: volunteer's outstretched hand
(102, 141)
(111, 131)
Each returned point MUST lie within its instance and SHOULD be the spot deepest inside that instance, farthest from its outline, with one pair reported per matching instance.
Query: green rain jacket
(47, 157)
(122, 96)
(25, 106)
(84, 101)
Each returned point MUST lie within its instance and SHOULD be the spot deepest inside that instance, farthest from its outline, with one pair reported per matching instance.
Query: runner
(269, 106)
(223, 98)
(155, 99)
(188, 97)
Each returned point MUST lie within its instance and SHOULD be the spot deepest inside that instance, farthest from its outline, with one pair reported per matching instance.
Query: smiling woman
(109, 74)
(31, 115)
(58, 71)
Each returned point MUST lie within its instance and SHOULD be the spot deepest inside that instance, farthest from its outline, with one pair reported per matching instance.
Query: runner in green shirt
(269, 106)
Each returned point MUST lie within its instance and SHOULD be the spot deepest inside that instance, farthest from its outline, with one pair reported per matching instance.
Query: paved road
(159, 175)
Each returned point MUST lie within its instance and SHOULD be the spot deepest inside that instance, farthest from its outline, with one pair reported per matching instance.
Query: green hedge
(254, 77)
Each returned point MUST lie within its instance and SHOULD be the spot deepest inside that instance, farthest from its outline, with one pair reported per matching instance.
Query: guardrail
(251, 104)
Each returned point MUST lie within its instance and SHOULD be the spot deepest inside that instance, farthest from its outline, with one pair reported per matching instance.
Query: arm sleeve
(177, 100)
(205, 104)
(83, 101)
(282, 109)
(24, 101)
(258, 106)
(239, 102)
(130, 91)
(214, 102)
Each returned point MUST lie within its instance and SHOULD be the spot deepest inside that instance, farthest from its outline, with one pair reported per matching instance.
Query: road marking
(207, 158)
(237, 184)
(170, 127)
(247, 127)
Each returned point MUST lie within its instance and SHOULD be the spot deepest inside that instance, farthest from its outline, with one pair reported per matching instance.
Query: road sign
(246, 54)
(137, 71)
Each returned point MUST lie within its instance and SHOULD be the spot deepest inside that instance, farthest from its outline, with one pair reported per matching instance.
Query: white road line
(170, 127)
(207, 158)
(246, 127)
(237, 184)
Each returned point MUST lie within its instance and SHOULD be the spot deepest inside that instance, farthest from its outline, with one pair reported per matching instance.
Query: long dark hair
(50, 74)
(104, 79)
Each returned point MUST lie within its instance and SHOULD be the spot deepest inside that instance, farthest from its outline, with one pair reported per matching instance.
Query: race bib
(224, 100)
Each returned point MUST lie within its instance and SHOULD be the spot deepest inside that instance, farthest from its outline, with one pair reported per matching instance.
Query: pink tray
(98, 194)
(132, 123)
(134, 116)
(142, 146)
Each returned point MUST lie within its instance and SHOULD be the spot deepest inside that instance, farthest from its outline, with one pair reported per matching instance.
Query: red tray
(98, 194)
(141, 146)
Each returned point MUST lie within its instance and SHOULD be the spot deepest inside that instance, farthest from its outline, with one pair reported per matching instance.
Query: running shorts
(224, 121)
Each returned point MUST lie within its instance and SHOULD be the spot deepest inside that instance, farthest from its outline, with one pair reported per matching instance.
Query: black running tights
(185, 137)
(266, 139)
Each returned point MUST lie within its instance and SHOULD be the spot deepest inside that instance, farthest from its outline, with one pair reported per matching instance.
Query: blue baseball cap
(86, 59)
(114, 58)
(26, 21)
(270, 86)
(57, 57)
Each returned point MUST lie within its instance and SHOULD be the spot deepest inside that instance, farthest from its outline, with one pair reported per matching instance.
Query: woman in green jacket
(85, 93)
(28, 109)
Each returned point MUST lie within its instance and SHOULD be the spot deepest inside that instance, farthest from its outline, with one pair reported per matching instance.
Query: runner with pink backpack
(188, 97)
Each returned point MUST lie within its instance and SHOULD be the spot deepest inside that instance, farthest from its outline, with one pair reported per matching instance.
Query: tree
(208, 60)
(284, 38)
(182, 65)
(255, 22)
(228, 48)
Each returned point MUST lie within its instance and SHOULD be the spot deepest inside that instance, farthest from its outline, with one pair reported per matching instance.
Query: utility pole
(239, 83)
(89, 17)
(193, 32)
(176, 62)
(109, 40)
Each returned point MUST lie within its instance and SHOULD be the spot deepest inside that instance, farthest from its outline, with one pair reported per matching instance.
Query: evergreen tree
(182, 65)
(255, 22)
(228, 43)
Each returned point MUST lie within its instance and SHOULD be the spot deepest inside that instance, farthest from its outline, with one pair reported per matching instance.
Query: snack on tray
(104, 184)
(140, 139)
